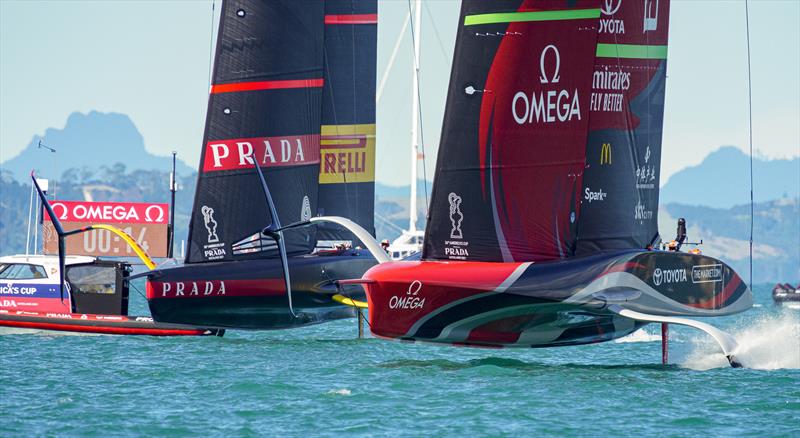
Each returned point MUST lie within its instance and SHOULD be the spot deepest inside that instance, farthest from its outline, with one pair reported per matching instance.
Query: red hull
(100, 324)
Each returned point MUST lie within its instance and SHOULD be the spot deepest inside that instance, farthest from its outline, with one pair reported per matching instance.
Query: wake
(770, 343)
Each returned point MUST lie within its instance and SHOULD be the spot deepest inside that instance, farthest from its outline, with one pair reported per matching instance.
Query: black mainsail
(623, 153)
(514, 136)
(264, 107)
(347, 145)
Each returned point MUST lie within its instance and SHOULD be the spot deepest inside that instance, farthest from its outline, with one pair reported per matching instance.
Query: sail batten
(266, 85)
(516, 17)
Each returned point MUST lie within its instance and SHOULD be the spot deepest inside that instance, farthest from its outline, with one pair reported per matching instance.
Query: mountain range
(88, 141)
(713, 196)
(722, 180)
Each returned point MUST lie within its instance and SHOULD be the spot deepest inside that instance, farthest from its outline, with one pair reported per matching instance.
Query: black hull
(251, 294)
(571, 302)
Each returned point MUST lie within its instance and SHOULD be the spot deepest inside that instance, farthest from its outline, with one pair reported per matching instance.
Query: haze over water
(323, 381)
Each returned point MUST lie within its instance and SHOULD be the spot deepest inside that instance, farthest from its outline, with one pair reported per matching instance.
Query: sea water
(321, 380)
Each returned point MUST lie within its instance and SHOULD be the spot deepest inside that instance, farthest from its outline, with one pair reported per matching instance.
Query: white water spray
(770, 343)
(641, 335)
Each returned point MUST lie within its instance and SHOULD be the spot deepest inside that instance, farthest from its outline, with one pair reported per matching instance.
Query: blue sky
(150, 60)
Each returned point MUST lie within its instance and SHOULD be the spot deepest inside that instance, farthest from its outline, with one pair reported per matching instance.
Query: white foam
(640, 335)
(343, 391)
(770, 343)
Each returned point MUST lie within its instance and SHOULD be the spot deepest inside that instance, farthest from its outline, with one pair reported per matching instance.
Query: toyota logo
(657, 276)
(610, 7)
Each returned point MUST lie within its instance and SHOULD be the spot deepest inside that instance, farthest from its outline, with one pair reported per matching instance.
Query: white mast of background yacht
(412, 206)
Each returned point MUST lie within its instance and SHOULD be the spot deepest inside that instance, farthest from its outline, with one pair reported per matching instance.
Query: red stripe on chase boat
(352, 19)
(266, 85)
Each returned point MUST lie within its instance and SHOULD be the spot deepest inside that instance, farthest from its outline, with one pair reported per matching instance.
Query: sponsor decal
(611, 25)
(456, 248)
(243, 153)
(58, 315)
(669, 276)
(305, 210)
(8, 303)
(456, 217)
(707, 273)
(646, 173)
(641, 213)
(610, 7)
(215, 249)
(192, 288)
(143, 319)
(605, 154)
(109, 212)
(650, 15)
(210, 223)
(410, 300)
(10, 289)
(347, 154)
(608, 86)
(547, 106)
(598, 196)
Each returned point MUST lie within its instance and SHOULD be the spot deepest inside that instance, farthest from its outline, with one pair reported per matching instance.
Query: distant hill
(88, 141)
(726, 232)
(722, 180)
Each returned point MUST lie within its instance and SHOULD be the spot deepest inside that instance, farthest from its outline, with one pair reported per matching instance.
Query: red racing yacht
(543, 227)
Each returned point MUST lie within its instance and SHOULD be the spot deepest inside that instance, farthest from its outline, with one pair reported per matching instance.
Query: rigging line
(137, 290)
(211, 44)
(436, 31)
(391, 59)
(353, 77)
(419, 111)
(329, 84)
(634, 155)
(30, 209)
(750, 131)
(388, 222)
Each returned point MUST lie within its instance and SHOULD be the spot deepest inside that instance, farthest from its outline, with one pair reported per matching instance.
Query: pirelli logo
(605, 154)
(347, 154)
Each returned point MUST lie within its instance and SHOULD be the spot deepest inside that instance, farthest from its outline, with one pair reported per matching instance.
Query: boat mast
(412, 206)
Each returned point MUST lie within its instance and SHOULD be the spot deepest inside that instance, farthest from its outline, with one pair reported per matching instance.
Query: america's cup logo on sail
(210, 223)
(547, 105)
(456, 217)
(305, 210)
(214, 249)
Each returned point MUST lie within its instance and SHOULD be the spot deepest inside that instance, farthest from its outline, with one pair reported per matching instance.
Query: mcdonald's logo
(605, 154)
